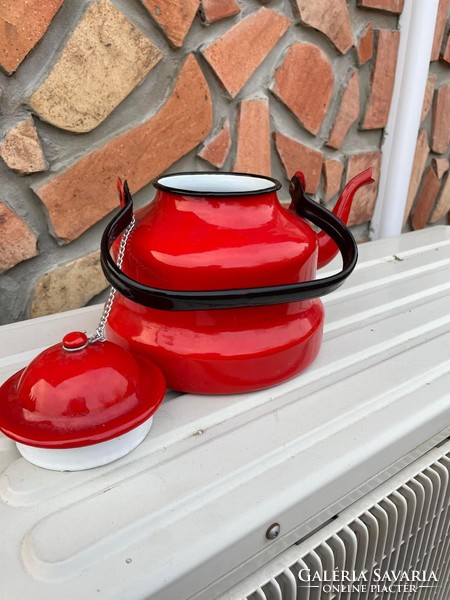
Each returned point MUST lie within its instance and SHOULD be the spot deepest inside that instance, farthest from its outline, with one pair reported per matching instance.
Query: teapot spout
(327, 248)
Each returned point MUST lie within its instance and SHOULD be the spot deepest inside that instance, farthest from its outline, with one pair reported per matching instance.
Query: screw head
(273, 531)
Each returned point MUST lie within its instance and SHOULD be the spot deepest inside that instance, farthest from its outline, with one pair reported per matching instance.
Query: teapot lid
(77, 393)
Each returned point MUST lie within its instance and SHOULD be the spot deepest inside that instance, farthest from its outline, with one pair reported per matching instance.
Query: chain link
(99, 335)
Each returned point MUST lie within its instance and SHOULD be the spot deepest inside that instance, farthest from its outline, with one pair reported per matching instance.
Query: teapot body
(182, 242)
(216, 280)
(222, 351)
(209, 242)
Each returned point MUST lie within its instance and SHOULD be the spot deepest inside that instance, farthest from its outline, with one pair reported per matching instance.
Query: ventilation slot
(402, 526)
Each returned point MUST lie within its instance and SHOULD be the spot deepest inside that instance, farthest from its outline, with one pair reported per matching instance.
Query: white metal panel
(187, 511)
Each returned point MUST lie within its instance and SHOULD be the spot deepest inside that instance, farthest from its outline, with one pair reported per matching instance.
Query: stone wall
(429, 191)
(92, 90)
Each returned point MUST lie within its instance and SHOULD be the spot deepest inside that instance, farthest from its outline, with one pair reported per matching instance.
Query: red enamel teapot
(217, 283)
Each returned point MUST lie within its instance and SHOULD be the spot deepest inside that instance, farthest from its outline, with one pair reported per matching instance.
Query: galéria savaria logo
(377, 580)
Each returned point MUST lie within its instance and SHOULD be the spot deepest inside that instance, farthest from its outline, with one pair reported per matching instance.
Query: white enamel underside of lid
(216, 183)
(86, 457)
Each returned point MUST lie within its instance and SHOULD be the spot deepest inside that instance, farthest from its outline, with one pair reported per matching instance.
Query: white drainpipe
(417, 23)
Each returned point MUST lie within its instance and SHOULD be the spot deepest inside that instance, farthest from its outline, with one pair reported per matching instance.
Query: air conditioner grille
(406, 529)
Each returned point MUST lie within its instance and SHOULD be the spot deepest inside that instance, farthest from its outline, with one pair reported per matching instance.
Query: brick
(440, 166)
(394, 6)
(253, 138)
(443, 204)
(295, 156)
(428, 98)
(365, 45)
(425, 200)
(332, 173)
(348, 112)
(175, 17)
(103, 61)
(238, 53)
(69, 286)
(304, 83)
(420, 160)
(21, 149)
(22, 25)
(216, 150)
(17, 241)
(382, 82)
(440, 126)
(84, 193)
(446, 54)
(331, 17)
(364, 200)
(441, 21)
(215, 10)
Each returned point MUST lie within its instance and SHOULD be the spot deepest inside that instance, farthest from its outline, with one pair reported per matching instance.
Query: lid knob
(75, 340)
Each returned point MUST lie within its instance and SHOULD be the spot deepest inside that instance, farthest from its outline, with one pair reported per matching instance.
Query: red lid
(78, 393)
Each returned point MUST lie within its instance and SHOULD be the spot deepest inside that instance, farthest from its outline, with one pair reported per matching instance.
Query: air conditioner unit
(393, 542)
(344, 469)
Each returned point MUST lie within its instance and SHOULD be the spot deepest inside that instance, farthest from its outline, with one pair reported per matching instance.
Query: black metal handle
(218, 299)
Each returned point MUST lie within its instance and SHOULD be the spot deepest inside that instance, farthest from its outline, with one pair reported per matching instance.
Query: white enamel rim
(86, 457)
(217, 184)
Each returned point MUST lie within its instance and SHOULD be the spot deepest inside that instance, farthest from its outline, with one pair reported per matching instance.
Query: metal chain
(99, 335)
